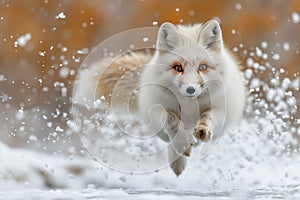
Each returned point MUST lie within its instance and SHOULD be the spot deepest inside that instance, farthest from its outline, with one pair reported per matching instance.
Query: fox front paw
(202, 132)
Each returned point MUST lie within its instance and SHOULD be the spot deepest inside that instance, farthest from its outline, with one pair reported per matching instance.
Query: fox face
(191, 58)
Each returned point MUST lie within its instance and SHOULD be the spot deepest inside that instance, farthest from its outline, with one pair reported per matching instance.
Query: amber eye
(202, 67)
(178, 68)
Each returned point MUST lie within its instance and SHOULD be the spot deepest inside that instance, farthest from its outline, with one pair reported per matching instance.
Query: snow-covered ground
(242, 166)
(282, 192)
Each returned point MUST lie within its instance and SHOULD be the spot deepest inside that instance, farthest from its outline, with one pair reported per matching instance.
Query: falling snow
(295, 17)
(61, 15)
(286, 46)
(145, 39)
(155, 23)
(238, 6)
(22, 40)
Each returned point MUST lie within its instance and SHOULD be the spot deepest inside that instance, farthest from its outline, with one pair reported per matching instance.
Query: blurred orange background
(60, 32)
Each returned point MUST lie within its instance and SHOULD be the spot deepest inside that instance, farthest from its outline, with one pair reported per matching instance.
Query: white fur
(191, 44)
(220, 89)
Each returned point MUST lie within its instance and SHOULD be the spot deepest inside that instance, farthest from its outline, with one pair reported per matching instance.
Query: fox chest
(190, 112)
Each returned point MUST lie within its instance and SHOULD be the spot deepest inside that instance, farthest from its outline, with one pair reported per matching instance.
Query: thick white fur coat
(163, 91)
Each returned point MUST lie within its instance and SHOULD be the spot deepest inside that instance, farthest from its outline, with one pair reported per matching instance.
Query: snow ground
(242, 166)
(283, 192)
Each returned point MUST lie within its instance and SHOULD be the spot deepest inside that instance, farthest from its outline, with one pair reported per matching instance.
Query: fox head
(191, 60)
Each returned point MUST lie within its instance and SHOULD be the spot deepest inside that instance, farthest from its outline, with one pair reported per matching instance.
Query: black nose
(190, 90)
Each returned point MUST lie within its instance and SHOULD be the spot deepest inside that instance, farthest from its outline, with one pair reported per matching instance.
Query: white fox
(191, 89)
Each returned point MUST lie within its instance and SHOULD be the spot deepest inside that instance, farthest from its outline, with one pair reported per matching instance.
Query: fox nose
(190, 90)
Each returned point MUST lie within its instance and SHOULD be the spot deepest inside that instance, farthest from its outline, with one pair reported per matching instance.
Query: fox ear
(211, 35)
(167, 37)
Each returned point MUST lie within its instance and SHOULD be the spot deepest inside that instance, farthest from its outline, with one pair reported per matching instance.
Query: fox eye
(202, 67)
(178, 68)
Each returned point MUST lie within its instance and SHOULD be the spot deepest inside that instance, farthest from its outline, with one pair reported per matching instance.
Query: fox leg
(203, 128)
(181, 139)
(180, 142)
(177, 162)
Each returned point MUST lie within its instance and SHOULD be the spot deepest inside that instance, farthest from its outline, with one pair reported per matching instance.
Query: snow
(238, 6)
(64, 49)
(265, 56)
(61, 15)
(248, 73)
(276, 56)
(255, 83)
(2, 77)
(286, 46)
(83, 51)
(286, 83)
(154, 23)
(295, 17)
(258, 52)
(42, 53)
(145, 39)
(22, 40)
(264, 44)
(250, 62)
(228, 179)
(240, 172)
(64, 72)
(254, 160)
(285, 192)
